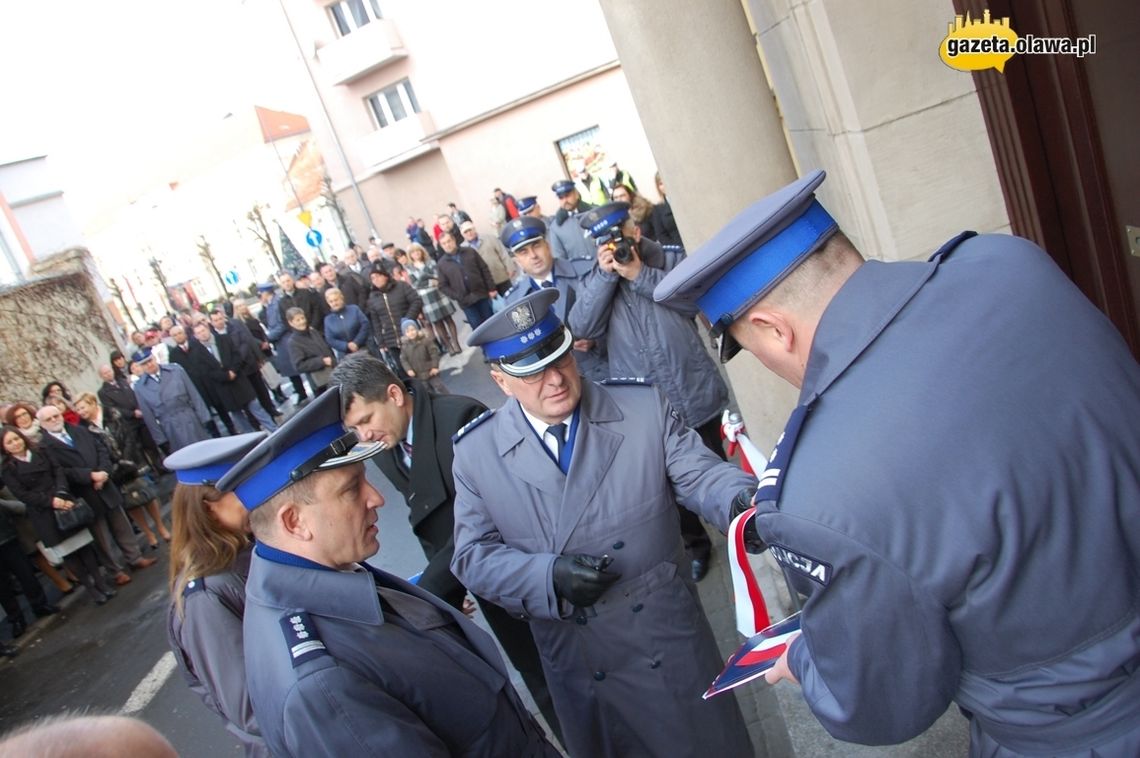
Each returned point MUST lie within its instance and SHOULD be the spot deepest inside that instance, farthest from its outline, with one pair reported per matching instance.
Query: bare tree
(261, 231)
(330, 200)
(207, 256)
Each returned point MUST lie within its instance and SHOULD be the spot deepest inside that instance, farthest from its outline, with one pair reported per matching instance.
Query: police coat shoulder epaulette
(472, 424)
(301, 637)
(618, 380)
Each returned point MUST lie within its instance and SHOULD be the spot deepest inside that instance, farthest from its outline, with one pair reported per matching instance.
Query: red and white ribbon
(751, 610)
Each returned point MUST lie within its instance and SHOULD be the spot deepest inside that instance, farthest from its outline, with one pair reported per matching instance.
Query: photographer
(648, 340)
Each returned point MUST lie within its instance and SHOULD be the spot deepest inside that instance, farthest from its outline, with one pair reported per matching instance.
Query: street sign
(231, 277)
(314, 238)
(306, 218)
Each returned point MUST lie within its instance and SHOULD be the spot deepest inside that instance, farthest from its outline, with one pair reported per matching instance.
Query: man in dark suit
(226, 363)
(416, 426)
(251, 355)
(86, 462)
(310, 301)
(116, 392)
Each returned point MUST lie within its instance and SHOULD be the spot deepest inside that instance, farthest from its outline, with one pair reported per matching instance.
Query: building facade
(429, 103)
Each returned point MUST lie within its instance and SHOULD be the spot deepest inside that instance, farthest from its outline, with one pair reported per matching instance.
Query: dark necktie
(548, 284)
(558, 431)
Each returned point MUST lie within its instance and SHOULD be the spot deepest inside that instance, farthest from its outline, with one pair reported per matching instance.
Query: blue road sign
(231, 277)
(314, 238)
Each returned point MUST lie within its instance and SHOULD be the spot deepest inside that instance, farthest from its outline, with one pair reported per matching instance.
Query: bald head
(106, 373)
(87, 737)
(780, 328)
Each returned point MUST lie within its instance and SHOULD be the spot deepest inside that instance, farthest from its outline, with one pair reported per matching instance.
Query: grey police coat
(628, 682)
(568, 240)
(330, 675)
(647, 339)
(207, 644)
(569, 278)
(172, 409)
(963, 500)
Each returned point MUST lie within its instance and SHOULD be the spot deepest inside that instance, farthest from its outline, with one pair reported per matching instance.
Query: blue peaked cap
(562, 187)
(521, 231)
(313, 439)
(526, 337)
(208, 461)
(600, 221)
(753, 253)
(526, 203)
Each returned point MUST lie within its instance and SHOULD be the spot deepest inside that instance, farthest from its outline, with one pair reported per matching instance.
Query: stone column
(715, 131)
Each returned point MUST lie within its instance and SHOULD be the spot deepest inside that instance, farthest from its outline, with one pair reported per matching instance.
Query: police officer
(565, 514)
(963, 507)
(645, 339)
(567, 240)
(343, 659)
(525, 240)
(416, 426)
(528, 206)
(210, 562)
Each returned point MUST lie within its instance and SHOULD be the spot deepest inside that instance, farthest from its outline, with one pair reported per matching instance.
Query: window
(393, 103)
(350, 15)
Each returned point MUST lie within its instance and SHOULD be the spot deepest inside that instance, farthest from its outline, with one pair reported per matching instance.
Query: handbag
(136, 493)
(79, 515)
(56, 553)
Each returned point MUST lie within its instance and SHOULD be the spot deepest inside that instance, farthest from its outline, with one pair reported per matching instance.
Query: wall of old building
(55, 326)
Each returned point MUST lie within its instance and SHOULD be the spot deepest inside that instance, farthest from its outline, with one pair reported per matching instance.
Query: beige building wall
(762, 90)
(517, 149)
(864, 96)
(498, 83)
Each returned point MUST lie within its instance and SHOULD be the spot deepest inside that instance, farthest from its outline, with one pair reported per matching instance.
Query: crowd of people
(935, 507)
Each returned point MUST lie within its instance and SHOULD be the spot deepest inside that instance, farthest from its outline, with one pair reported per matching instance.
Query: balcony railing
(396, 143)
(364, 50)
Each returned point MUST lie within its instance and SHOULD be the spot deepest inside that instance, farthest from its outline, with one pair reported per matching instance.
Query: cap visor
(728, 347)
(359, 452)
(545, 354)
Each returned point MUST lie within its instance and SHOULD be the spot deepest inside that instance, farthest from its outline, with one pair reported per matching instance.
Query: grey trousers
(111, 531)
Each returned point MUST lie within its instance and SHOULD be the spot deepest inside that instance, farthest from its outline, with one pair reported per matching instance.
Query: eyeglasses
(52, 416)
(21, 413)
(563, 361)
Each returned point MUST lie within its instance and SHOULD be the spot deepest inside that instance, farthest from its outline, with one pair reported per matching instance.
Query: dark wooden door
(1060, 128)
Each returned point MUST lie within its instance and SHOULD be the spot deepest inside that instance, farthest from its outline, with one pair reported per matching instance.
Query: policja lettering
(817, 571)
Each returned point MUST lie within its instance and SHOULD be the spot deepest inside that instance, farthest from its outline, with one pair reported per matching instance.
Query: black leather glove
(752, 542)
(582, 579)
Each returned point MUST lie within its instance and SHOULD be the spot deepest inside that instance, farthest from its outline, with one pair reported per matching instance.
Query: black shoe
(101, 600)
(19, 626)
(110, 593)
(47, 609)
(700, 567)
(8, 651)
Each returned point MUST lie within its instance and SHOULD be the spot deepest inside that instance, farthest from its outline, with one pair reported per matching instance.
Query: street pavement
(115, 659)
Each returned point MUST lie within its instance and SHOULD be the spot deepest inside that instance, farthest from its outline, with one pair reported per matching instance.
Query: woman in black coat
(34, 479)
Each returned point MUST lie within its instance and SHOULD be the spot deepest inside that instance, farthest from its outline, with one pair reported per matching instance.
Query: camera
(621, 247)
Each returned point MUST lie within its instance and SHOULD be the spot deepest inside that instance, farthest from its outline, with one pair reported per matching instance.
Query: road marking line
(150, 685)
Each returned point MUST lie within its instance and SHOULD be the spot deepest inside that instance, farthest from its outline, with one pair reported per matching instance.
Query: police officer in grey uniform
(963, 508)
(645, 339)
(343, 659)
(567, 240)
(204, 623)
(565, 515)
(525, 240)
